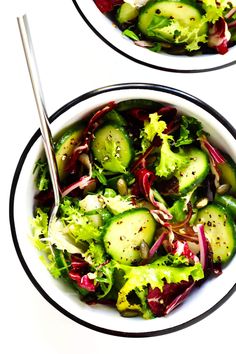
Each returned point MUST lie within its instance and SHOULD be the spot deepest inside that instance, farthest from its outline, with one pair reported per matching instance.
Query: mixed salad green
(175, 26)
(147, 212)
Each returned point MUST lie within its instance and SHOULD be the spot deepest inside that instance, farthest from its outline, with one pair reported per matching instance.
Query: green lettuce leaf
(39, 224)
(136, 280)
(130, 34)
(97, 172)
(151, 128)
(170, 162)
(95, 254)
(178, 210)
(61, 238)
(40, 240)
(59, 235)
(190, 130)
(158, 22)
(179, 33)
(216, 9)
(42, 179)
(193, 36)
(67, 232)
(77, 225)
(105, 278)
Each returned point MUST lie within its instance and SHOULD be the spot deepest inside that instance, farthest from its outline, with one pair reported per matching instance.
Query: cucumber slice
(228, 202)
(126, 13)
(64, 148)
(163, 19)
(61, 262)
(125, 233)
(220, 231)
(112, 147)
(228, 174)
(138, 103)
(196, 171)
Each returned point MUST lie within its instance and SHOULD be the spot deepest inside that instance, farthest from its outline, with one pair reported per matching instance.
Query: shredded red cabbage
(168, 113)
(179, 299)
(93, 122)
(79, 267)
(218, 36)
(107, 5)
(163, 302)
(139, 114)
(182, 249)
(212, 151)
(45, 198)
(145, 179)
(78, 263)
(215, 156)
(182, 230)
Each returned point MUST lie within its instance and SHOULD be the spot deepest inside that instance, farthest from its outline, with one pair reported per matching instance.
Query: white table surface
(72, 60)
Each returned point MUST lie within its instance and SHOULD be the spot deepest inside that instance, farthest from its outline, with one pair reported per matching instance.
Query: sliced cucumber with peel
(126, 13)
(228, 202)
(112, 148)
(138, 103)
(125, 232)
(196, 171)
(228, 174)
(162, 19)
(220, 231)
(64, 148)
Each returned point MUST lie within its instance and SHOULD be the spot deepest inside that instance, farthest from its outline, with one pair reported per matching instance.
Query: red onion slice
(81, 184)
(157, 244)
(202, 245)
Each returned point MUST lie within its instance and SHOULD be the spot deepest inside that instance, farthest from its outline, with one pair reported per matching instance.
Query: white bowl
(112, 36)
(200, 303)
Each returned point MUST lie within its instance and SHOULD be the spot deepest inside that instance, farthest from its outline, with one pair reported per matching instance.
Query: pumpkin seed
(223, 188)
(122, 187)
(201, 203)
(144, 250)
(130, 313)
(91, 187)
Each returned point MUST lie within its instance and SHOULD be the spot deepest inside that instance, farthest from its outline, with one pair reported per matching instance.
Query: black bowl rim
(66, 107)
(118, 50)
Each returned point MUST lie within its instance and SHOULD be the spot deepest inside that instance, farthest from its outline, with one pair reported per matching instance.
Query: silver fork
(43, 117)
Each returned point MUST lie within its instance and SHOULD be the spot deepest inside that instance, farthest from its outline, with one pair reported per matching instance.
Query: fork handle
(38, 95)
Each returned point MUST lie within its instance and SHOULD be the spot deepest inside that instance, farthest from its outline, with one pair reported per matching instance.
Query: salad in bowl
(175, 35)
(175, 26)
(146, 223)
